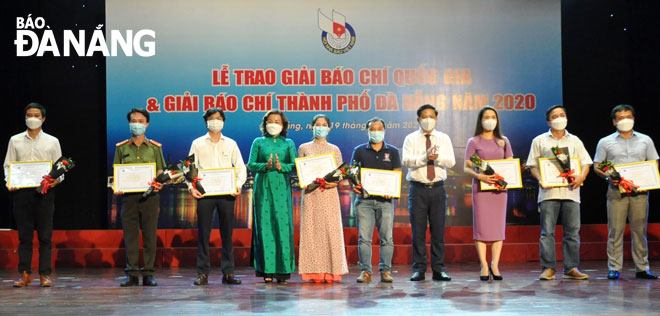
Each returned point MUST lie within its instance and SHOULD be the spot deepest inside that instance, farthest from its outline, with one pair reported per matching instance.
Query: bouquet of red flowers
(334, 176)
(61, 166)
(172, 172)
(190, 172)
(354, 177)
(486, 169)
(564, 160)
(608, 168)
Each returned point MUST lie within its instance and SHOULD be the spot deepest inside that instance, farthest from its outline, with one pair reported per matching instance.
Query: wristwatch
(607, 179)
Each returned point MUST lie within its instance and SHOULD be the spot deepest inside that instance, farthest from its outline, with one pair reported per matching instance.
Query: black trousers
(206, 207)
(137, 213)
(427, 206)
(34, 211)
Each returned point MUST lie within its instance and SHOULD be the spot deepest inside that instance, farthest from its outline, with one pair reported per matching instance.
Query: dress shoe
(130, 281)
(202, 279)
(230, 279)
(646, 275)
(148, 280)
(575, 274)
(24, 281)
(45, 281)
(613, 275)
(418, 276)
(365, 277)
(282, 281)
(548, 274)
(386, 277)
(441, 276)
(484, 277)
(495, 277)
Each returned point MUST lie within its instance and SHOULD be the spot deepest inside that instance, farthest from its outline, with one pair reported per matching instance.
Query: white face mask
(33, 122)
(625, 125)
(427, 124)
(215, 125)
(273, 129)
(559, 123)
(489, 124)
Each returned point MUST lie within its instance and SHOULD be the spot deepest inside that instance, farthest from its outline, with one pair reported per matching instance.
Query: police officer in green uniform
(136, 211)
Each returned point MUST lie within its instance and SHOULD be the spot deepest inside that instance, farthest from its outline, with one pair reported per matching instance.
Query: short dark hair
(137, 110)
(375, 119)
(35, 105)
(212, 111)
(424, 107)
(320, 116)
(622, 107)
(552, 107)
(480, 129)
(285, 122)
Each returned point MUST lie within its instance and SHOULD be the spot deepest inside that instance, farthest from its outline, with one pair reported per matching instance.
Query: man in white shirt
(427, 153)
(31, 209)
(553, 200)
(215, 150)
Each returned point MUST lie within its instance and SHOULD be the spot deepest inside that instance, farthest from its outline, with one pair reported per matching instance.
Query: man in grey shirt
(625, 146)
(555, 200)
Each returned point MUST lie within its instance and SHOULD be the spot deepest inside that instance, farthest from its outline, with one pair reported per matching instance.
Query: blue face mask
(137, 129)
(321, 131)
(376, 137)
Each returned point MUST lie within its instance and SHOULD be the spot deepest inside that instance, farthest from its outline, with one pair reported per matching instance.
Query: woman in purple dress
(488, 207)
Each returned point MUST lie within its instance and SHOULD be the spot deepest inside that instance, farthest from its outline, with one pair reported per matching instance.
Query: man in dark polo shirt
(375, 210)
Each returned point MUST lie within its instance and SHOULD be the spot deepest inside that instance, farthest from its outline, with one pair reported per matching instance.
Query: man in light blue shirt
(625, 146)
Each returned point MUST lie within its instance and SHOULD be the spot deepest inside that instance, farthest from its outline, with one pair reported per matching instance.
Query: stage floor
(95, 291)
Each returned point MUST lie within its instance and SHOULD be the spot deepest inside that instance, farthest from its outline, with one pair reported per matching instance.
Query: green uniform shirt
(149, 151)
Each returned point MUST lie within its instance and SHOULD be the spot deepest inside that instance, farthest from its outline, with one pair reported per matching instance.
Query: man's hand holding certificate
(556, 174)
(220, 181)
(27, 174)
(642, 175)
(379, 182)
(131, 178)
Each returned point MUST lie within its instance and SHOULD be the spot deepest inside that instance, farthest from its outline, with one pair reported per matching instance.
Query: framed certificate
(27, 174)
(644, 174)
(550, 170)
(219, 181)
(312, 167)
(509, 169)
(133, 177)
(381, 182)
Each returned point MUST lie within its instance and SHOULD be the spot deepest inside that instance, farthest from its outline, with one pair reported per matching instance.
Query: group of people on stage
(427, 153)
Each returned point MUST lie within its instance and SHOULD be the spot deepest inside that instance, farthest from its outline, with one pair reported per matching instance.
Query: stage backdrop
(350, 60)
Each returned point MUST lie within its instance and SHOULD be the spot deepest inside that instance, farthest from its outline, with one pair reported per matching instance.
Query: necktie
(430, 168)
